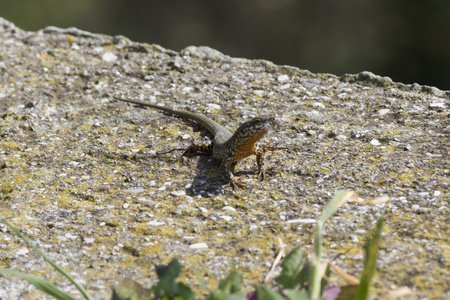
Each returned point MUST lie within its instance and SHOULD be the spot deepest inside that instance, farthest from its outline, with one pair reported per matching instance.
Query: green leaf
(132, 290)
(185, 292)
(264, 293)
(167, 287)
(236, 296)
(115, 296)
(228, 286)
(370, 262)
(296, 295)
(217, 295)
(169, 272)
(291, 271)
(232, 283)
(41, 284)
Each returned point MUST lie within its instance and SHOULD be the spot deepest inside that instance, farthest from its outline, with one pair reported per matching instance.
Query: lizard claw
(237, 184)
(262, 173)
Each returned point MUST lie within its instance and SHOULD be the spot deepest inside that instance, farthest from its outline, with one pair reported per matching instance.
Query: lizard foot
(262, 173)
(237, 183)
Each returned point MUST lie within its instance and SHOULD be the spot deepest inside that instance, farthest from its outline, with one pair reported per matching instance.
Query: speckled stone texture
(82, 177)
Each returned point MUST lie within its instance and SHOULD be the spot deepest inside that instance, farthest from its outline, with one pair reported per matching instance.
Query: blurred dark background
(407, 40)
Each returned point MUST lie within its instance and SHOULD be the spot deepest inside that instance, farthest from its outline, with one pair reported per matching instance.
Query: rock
(84, 173)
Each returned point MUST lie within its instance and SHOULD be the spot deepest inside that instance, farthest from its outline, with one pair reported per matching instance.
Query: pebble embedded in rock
(226, 218)
(156, 223)
(383, 112)
(375, 143)
(134, 190)
(21, 252)
(229, 208)
(303, 221)
(198, 246)
(108, 56)
(89, 240)
(178, 193)
(437, 105)
(283, 78)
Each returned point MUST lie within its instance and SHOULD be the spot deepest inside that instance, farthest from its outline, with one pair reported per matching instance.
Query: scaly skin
(227, 147)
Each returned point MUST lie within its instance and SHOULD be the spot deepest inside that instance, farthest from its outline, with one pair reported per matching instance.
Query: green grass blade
(41, 284)
(339, 198)
(370, 266)
(54, 265)
(315, 275)
(317, 271)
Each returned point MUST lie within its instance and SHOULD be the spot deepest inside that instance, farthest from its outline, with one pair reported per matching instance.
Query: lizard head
(264, 123)
(243, 142)
(255, 128)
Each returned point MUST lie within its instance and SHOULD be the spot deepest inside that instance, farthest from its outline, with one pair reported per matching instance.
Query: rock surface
(82, 178)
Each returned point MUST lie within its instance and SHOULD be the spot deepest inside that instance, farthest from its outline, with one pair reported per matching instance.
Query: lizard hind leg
(199, 147)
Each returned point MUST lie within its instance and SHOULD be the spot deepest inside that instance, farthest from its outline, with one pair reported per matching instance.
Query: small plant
(299, 279)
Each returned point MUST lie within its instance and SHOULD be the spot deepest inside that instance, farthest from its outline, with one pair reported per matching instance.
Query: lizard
(227, 147)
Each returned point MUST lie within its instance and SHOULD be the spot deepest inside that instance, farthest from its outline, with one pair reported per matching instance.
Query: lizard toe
(237, 183)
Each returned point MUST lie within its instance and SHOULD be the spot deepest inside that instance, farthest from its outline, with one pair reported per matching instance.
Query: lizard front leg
(259, 152)
(228, 166)
(235, 183)
(261, 172)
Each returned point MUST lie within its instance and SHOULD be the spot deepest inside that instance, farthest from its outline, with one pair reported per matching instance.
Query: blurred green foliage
(408, 40)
